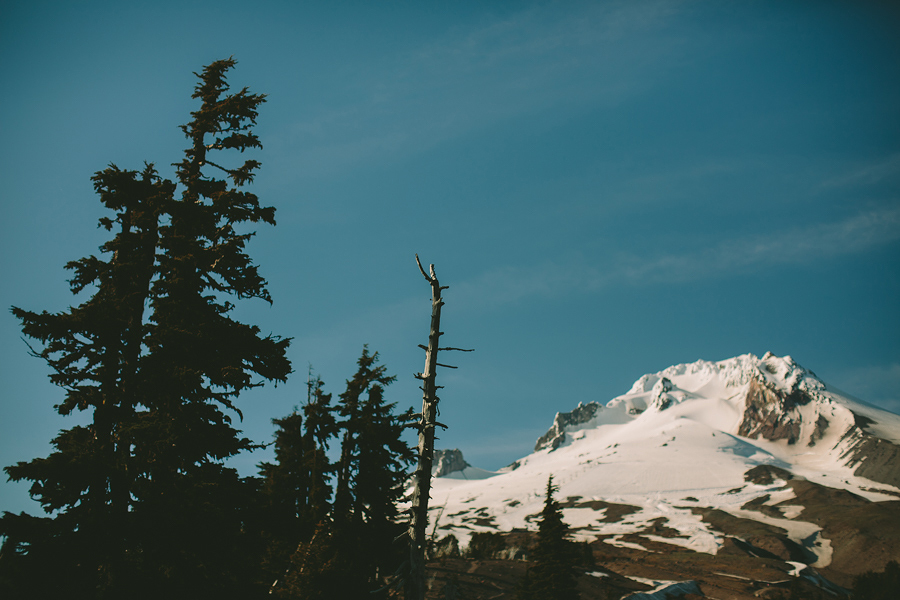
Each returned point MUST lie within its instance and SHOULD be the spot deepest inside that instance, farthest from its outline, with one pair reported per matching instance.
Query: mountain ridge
(782, 401)
(680, 448)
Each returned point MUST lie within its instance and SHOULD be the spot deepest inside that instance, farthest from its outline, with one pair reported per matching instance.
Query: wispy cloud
(793, 246)
(867, 174)
(520, 63)
(816, 242)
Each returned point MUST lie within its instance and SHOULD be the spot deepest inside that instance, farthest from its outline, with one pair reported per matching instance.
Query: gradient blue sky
(608, 188)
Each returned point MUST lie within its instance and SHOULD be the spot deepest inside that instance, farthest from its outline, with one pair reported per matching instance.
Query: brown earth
(864, 535)
(730, 575)
(751, 564)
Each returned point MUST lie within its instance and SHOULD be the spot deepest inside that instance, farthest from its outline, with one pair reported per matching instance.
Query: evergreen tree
(320, 428)
(296, 488)
(383, 463)
(95, 353)
(319, 570)
(370, 377)
(143, 505)
(371, 472)
(349, 552)
(552, 575)
(485, 545)
(199, 358)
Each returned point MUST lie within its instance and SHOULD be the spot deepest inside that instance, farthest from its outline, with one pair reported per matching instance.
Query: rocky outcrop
(448, 461)
(767, 475)
(874, 458)
(556, 435)
(771, 413)
(661, 399)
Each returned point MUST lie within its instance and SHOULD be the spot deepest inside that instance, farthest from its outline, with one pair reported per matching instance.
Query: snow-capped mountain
(772, 399)
(746, 438)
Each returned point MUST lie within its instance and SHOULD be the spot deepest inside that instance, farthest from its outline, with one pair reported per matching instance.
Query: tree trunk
(427, 423)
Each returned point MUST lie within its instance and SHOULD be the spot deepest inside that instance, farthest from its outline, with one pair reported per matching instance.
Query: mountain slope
(676, 461)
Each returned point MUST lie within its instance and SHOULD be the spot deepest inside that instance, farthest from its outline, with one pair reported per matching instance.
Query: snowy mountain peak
(701, 447)
(770, 398)
(735, 372)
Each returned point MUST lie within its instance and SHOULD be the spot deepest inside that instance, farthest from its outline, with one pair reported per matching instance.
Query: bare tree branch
(421, 270)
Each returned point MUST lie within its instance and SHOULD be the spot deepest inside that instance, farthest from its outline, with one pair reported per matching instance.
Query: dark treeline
(139, 502)
(350, 543)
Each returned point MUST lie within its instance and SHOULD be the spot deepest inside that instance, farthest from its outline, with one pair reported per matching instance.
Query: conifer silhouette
(371, 474)
(552, 575)
(144, 506)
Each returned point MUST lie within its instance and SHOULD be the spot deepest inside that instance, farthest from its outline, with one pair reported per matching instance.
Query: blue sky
(608, 188)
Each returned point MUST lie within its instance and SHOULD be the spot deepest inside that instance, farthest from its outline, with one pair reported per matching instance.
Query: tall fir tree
(383, 470)
(552, 575)
(199, 358)
(320, 428)
(369, 377)
(95, 352)
(370, 476)
(143, 505)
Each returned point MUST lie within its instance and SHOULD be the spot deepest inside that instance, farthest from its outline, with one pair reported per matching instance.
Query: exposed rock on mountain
(767, 475)
(556, 435)
(797, 408)
(874, 458)
(661, 399)
(448, 461)
(772, 414)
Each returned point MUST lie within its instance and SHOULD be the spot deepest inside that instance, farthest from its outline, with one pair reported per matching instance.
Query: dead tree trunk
(426, 425)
